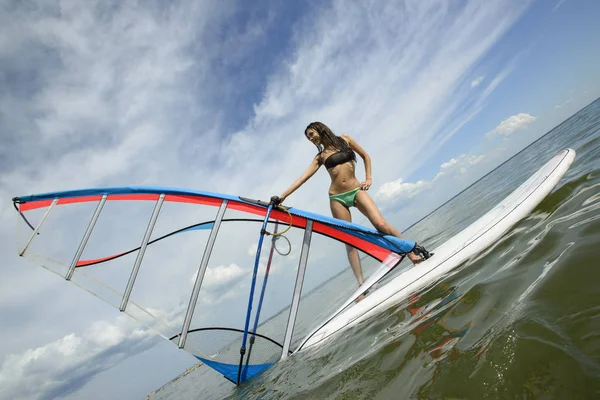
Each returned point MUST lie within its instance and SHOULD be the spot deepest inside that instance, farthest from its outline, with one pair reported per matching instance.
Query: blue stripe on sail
(197, 228)
(386, 241)
(230, 371)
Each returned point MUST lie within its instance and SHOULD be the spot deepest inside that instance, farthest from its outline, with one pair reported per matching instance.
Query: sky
(215, 96)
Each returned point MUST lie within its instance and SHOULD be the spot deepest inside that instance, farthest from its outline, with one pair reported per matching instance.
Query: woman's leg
(367, 206)
(340, 211)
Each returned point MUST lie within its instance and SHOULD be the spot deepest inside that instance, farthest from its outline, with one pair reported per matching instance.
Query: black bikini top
(338, 158)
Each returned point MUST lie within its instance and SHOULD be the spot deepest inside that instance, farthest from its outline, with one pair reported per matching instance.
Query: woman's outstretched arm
(310, 171)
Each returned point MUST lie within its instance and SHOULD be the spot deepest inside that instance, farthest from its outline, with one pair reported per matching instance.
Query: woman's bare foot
(415, 259)
(419, 254)
(359, 298)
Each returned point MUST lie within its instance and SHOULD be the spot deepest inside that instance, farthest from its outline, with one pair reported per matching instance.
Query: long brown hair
(329, 139)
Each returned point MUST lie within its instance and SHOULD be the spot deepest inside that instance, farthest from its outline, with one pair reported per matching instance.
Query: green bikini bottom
(346, 198)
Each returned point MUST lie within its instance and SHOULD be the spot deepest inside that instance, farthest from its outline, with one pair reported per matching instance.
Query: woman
(337, 153)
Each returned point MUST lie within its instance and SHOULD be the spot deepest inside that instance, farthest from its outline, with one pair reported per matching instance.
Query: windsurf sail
(189, 265)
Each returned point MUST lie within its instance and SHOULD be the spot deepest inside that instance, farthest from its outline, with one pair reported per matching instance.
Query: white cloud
(221, 275)
(222, 283)
(65, 364)
(511, 125)
(396, 190)
(461, 163)
(106, 334)
(252, 249)
(477, 81)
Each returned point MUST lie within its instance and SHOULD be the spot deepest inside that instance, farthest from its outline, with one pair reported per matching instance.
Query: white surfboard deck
(470, 241)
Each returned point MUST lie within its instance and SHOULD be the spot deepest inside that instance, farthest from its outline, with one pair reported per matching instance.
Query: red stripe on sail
(372, 249)
(32, 205)
(83, 263)
(208, 201)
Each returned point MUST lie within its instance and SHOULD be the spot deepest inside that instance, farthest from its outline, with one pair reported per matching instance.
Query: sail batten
(140, 255)
(37, 228)
(200, 276)
(86, 237)
(289, 330)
